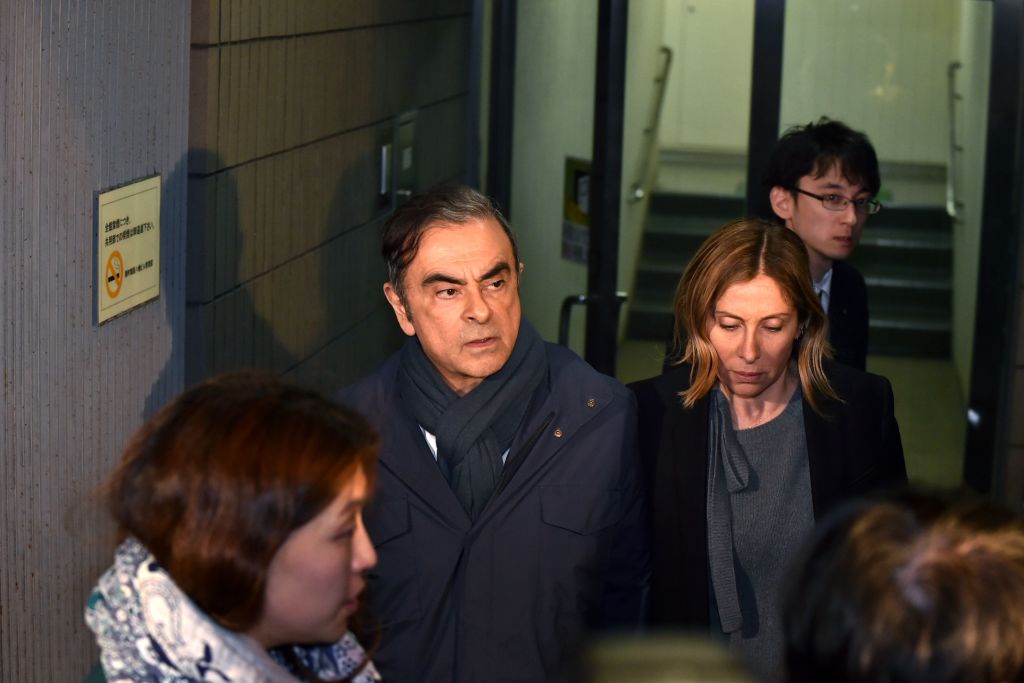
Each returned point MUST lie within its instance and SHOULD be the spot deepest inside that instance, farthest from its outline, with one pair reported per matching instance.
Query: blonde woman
(752, 438)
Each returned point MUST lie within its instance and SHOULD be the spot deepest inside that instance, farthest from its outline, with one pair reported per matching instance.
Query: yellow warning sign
(115, 274)
(128, 247)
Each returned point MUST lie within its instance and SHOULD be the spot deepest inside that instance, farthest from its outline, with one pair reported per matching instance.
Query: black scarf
(473, 431)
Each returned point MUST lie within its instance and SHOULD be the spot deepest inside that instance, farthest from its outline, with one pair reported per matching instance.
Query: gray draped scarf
(473, 431)
(728, 472)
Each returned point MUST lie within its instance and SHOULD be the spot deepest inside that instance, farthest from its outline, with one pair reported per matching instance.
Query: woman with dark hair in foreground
(244, 550)
(915, 589)
(752, 438)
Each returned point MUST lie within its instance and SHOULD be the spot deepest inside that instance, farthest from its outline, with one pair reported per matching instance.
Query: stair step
(908, 341)
(694, 204)
(933, 279)
(909, 320)
(910, 216)
(871, 256)
(674, 237)
(650, 321)
(682, 226)
(905, 238)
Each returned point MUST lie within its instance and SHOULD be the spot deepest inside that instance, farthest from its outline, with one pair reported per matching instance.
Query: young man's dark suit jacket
(855, 450)
(559, 549)
(848, 316)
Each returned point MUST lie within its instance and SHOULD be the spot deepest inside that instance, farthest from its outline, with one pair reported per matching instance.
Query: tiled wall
(92, 95)
(289, 104)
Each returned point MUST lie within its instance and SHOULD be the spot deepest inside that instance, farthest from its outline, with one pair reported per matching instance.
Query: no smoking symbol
(115, 274)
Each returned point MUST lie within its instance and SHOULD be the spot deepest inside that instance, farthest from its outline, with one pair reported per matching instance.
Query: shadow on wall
(170, 380)
(277, 277)
(348, 328)
(224, 330)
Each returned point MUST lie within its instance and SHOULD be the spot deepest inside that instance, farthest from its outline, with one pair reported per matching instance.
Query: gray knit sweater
(771, 516)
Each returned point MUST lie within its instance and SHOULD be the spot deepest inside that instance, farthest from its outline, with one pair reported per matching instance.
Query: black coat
(852, 451)
(558, 550)
(848, 316)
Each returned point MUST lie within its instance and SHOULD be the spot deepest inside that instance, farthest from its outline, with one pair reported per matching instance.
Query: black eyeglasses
(837, 202)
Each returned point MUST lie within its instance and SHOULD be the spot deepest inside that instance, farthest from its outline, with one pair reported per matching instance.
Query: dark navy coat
(559, 550)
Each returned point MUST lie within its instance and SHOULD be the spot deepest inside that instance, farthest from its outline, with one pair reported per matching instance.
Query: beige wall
(878, 65)
(92, 95)
(556, 60)
(639, 148)
(707, 105)
(289, 105)
(554, 118)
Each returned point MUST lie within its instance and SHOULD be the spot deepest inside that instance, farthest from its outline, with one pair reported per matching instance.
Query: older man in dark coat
(508, 513)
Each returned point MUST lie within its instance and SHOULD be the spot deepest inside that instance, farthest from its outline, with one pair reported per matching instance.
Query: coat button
(558, 432)
(591, 403)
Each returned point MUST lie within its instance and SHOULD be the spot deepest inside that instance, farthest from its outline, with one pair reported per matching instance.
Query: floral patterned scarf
(148, 630)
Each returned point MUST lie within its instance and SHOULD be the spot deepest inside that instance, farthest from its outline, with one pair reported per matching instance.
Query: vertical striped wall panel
(93, 94)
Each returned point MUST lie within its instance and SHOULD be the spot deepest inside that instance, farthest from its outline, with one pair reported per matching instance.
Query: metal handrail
(953, 205)
(639, 189)
(565, 314)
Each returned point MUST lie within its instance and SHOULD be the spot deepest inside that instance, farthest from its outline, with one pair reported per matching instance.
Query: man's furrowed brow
(435, 278)
(496, 269)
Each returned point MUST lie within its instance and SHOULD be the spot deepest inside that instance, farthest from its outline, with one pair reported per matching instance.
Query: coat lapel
(824, 448)
(680, 499)
(689, 463)
(547, 430)
(405, 454)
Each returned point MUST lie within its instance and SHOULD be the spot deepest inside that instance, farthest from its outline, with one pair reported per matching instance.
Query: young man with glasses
(822, 179)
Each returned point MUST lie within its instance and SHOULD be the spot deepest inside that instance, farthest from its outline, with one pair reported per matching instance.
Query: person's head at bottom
(919, 588)
(248, 494)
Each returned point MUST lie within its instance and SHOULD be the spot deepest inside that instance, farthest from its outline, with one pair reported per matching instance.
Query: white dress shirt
(823, 288)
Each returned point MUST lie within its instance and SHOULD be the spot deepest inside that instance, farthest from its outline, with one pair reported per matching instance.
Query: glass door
(914, 77)
(685, 157)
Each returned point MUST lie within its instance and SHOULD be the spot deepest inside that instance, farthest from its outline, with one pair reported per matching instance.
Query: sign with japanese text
(128, 247)
(576, 210)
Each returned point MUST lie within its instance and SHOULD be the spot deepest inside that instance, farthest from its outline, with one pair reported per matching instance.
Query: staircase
(677, 224)
(905, 255)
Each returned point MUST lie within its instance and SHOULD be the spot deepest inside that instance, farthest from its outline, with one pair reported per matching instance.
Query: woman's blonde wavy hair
(738, 252)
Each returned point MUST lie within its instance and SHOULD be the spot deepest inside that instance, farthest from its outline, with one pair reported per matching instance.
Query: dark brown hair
(816, 149)
(455, 204)
(738, 252)
(216, 481)
(919, 588)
